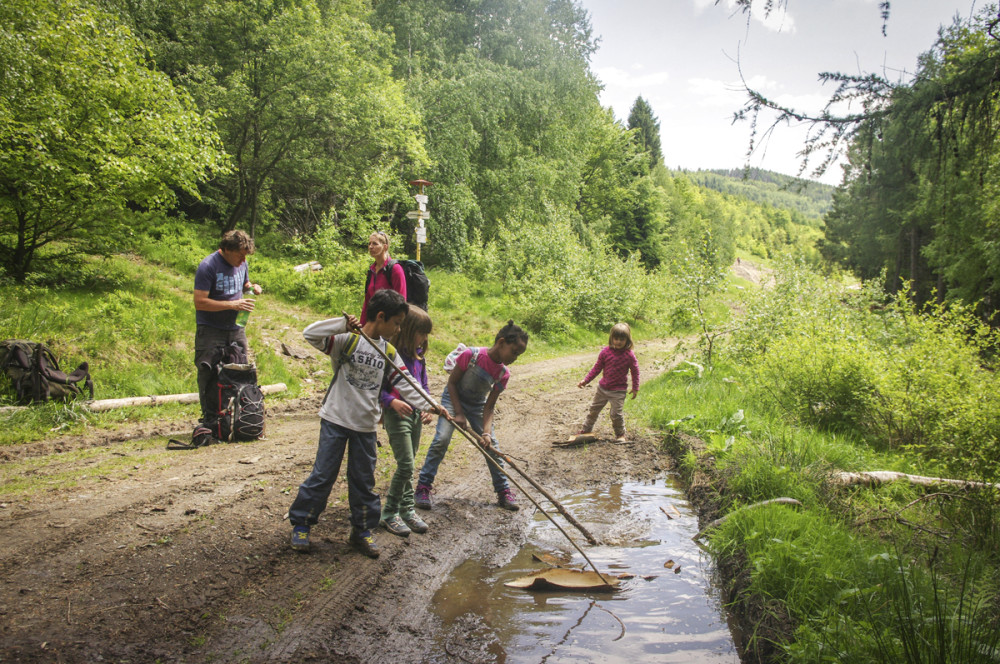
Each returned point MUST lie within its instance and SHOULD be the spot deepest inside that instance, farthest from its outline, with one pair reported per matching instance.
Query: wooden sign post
(420, 214)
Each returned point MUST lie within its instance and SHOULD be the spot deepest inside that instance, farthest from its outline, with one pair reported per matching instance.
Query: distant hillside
(812, 199)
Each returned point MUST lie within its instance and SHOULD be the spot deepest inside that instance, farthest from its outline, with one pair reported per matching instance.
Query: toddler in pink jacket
(616, 361)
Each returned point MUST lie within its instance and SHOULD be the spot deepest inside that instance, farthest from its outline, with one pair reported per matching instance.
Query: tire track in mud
(186, 558)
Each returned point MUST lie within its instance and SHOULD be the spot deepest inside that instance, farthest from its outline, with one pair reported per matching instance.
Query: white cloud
(613, 76)
(778, 20)
(715, 93)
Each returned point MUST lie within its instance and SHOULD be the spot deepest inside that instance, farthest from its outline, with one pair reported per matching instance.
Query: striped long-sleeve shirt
(616, 365)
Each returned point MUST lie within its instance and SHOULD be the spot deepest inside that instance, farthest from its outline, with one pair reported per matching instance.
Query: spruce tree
(641, 117)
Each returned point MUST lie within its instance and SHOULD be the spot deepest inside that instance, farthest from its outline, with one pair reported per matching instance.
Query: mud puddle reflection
(666, 613)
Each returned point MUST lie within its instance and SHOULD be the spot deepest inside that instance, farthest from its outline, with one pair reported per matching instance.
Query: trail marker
(421, 213)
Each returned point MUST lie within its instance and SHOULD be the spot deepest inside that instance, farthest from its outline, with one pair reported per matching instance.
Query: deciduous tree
(86, 128)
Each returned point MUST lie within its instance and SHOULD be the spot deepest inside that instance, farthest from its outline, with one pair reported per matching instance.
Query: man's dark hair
(236, 241)
(388, 302)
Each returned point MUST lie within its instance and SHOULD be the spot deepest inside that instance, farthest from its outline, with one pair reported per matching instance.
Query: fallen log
(876, 477)
(155, 400)
(718, 522)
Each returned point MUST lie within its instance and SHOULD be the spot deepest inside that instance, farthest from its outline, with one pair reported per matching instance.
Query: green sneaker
(363, 541)
(395, 526)
(300, 538)
(415, 523)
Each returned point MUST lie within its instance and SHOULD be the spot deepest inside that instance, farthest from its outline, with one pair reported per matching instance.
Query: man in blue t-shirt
(219, 285)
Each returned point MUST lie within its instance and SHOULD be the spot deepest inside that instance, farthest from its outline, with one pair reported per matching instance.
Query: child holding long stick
(349, 415)
(404, 424)
(480, 374)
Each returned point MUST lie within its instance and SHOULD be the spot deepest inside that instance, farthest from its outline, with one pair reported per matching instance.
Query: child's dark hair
(416, 322)
(621, 331)
(512, 333)
(387, 302)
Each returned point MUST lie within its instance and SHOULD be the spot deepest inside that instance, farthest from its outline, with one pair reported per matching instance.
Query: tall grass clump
(843, 598)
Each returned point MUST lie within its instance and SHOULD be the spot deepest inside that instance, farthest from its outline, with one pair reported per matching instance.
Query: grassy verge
(893, 572)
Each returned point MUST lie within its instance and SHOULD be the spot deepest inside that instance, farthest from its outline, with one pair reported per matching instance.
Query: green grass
(27, 477)
(889, 573)
(131, 317)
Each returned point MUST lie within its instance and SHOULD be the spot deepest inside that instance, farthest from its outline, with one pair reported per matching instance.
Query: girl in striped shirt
(617, 361)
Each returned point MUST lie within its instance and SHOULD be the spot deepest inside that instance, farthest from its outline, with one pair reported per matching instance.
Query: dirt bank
(184, 557)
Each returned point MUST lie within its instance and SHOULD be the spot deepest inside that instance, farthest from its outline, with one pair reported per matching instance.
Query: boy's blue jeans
(314, 492)
(442, 438)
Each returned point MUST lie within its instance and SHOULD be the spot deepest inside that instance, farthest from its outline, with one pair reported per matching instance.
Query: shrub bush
(898, 377)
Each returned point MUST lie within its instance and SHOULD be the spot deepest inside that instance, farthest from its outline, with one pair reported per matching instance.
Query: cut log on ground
(876, 477)
(190, 397)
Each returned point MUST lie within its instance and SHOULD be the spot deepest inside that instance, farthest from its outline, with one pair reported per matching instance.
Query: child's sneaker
(415, 523)
(621, 439)
(363, 541)
(395, 526)
(422, 497)
(300, 538)
(507, 500)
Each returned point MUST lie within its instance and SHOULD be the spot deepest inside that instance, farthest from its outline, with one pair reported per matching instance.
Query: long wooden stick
(558, 506)
(490, 459)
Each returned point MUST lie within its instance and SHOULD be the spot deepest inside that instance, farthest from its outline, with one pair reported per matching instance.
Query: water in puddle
(659, 616)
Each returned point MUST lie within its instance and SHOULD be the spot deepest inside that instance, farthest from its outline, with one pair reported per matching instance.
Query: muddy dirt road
(184, 557)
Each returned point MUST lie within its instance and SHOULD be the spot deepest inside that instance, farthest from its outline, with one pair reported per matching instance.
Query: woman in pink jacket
(383, 273)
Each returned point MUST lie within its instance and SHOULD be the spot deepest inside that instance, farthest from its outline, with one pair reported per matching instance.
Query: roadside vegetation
(133, 134)
(816, 378)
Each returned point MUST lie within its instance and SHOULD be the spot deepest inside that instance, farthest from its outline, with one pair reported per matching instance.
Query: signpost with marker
(420, 214)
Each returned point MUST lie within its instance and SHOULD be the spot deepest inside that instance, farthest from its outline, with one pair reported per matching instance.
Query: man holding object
(219, 284)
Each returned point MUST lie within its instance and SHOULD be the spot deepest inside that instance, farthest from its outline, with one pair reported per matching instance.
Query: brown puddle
(665, 610)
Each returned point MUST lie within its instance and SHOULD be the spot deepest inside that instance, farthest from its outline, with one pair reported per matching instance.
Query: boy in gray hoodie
(349, 416)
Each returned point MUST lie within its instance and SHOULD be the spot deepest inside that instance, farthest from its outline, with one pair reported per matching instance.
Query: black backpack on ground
(418, 286)
(233, 400)
(34, 373)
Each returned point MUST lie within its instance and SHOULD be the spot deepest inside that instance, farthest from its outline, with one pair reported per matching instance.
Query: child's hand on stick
(352, 322)
(402, 408)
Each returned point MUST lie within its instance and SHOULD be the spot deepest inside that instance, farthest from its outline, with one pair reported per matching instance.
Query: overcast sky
(681, 56)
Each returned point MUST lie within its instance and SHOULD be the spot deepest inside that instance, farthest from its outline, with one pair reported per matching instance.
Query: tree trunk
(876, 477)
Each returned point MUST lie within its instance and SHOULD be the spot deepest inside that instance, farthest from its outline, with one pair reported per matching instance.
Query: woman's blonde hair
(416, 322)
(382, 236)
(621, 331)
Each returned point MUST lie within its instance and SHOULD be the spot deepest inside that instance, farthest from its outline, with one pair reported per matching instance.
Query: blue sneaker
(300, 538)
(363, 541)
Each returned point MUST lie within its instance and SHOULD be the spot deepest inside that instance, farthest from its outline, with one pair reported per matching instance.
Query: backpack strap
(37, 393)
(370, 274)
(345, 353)
(390, 366)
